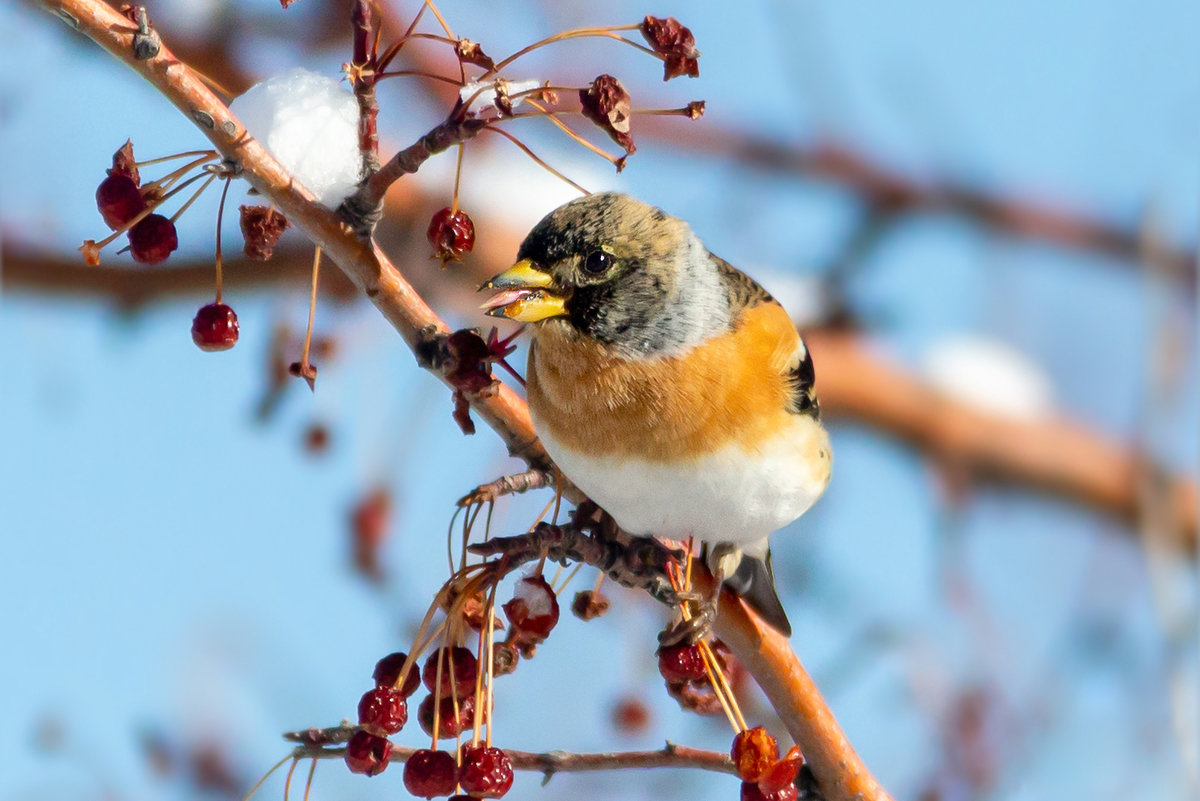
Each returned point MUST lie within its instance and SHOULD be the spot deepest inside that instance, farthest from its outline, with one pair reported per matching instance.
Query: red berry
(631, 716)
(752, 792)
(152, 239)
(754, 753)
(215, 327)
(782, 773)
(387, 673)
(119, 200)
(681, 663)
(429, 774)
(533, 610)
(451, 233)
(486, 772)
(367, 753)
(382, 711)
(458, 671)
(449, 725)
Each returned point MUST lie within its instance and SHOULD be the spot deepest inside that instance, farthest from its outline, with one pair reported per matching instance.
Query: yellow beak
(525, 297)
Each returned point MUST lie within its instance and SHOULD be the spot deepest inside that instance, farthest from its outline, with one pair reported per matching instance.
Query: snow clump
(309, 123)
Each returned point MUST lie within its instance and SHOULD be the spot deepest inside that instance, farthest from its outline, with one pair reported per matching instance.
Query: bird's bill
(524, 295)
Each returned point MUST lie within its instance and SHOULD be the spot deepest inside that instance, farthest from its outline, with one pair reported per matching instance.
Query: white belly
(731, 495)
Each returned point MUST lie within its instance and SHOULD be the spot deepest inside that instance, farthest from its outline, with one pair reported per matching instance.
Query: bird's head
(615, 269)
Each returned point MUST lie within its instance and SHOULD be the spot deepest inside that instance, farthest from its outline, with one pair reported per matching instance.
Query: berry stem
(308, 784)
(146, 212)
(525, 149)
(578, 33)
(170, 178)
(418, 73)
(220, 214)
(266, 776)
(312, 309)
(441, 20)
(287, 783)
(433, 37)
(209, 154)
(194, 196)
(394, 48)
(457, 179)
(570, 577)
(491, 658)
(553, 117)
(719, 679)
(477, 723)
(720, 687)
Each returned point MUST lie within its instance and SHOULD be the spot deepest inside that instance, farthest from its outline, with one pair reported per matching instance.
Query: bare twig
(324, 744)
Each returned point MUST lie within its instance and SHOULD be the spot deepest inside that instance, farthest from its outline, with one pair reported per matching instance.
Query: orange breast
(730, 388)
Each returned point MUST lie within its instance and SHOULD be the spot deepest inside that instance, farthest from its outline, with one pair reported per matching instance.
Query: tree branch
(766, 654)
(362, 261)
(1055, 456)
(887, 189)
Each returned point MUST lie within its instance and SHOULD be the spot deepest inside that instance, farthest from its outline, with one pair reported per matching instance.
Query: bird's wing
(798, 373)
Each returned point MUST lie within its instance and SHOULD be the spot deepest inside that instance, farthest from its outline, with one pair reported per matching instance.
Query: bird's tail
(753, 580)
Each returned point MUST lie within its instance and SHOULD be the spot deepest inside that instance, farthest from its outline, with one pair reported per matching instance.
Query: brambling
(668, 385)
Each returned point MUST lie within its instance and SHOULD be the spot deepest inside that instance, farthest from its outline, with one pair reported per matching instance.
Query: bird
(668, 385)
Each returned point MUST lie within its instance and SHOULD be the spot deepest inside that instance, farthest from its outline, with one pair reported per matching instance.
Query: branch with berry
(460, 681)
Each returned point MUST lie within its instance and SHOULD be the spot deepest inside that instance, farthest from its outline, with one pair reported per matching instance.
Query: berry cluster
(450, 675)
(128, 206)
(458, 689)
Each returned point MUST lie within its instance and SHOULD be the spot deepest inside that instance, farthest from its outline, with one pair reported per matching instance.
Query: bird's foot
(693, 629)
(533, 478)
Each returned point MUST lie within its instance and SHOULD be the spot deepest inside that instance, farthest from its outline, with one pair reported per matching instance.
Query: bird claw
(480, 495)
(693, 629)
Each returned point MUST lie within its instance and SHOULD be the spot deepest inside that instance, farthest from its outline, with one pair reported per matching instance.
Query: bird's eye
(598, 262)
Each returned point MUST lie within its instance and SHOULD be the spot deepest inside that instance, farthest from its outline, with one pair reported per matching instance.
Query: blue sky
(170, 563)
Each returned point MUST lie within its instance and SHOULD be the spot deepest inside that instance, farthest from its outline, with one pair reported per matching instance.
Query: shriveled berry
(449, 724)
(387, 673)
(486, 772)
(382, 711)
(606, 103)
(367, 753)
(451, 233)
(458, 670)
(429, 774)
(675, 43)
(261, 228)
(119, 200)
(754, 752)
(215, 327)
(533, 610)
(782, 773)
(152, 239)
(752, 792)
(589, 605)
(681, 663)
